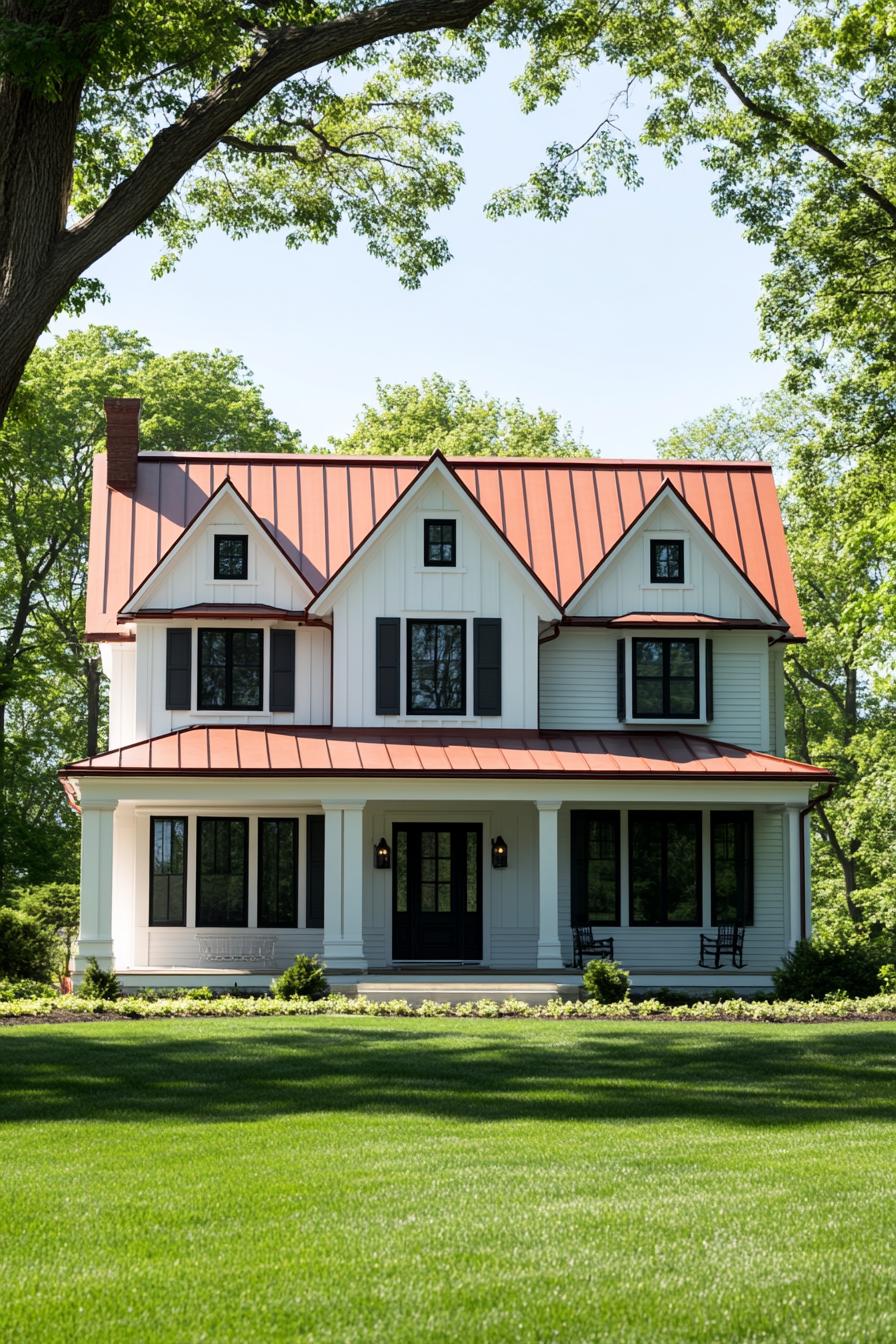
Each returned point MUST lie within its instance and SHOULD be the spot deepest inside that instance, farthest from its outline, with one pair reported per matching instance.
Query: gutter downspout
(804, 812)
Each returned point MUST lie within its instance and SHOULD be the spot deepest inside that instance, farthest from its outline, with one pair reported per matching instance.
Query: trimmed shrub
(811, 971)
(99, 984)
(11, 990)
(56, 906)
(27, 950)
(887, 978)
(606, 981)
(198, 994)
(304, 979)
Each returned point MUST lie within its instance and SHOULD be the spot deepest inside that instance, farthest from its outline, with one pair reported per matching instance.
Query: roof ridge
(464, 459)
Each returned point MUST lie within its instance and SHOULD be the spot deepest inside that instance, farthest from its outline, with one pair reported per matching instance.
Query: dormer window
(440, 543)
(231, 557)
(667, 561)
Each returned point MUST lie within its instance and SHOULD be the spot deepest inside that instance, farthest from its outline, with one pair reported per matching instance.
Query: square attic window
(667, 562)
(439, 542)
(231, 557)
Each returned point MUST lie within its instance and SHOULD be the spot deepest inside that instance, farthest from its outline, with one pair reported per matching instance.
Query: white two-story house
(434, 714)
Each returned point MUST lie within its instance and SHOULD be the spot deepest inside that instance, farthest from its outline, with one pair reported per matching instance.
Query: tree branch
(818, 147)
(176, 148)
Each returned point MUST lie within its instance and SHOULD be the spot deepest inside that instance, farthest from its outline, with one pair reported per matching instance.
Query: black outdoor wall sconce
(499, 852)
(382, 855)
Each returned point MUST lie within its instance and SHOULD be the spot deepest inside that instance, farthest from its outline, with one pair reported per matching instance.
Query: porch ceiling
(443, 753)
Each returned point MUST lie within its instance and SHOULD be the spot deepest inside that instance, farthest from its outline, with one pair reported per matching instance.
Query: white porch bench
(236, 947)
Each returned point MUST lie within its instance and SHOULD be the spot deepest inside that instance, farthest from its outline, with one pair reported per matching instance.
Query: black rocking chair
(585, 943)
(728, 942)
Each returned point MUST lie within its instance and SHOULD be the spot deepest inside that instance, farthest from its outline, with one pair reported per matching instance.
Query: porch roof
(447, 753)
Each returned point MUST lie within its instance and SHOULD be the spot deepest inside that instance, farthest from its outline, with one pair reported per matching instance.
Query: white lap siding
(577, 684)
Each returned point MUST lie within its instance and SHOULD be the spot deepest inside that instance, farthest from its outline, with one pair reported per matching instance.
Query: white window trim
(439, 516)
(701, 719)
(230, 530)
(665, 534)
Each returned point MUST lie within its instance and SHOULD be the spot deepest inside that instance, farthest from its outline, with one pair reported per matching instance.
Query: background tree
(49, 680)
(57, 908)
(838, 495)
(412, 419)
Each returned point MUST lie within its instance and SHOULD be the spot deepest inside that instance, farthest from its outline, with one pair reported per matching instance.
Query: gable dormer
(225, 556)
(669, 563)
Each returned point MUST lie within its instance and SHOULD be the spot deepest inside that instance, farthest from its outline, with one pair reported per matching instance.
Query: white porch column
(95, 932)
(793, 851)
(343, 886)
(548, 956)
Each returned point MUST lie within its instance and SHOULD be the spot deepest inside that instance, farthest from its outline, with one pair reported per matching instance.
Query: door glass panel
(401, 869)
(472, 873)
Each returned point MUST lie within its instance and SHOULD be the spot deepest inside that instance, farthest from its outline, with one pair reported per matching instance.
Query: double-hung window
(278, 872)
(222, 889)
(594, 839)
(230, 669)
(731, 850)
(167, 870)
(666, 678)
(665, 870)
(437, 667)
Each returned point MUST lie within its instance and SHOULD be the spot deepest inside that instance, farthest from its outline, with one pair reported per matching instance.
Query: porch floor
(448, 983)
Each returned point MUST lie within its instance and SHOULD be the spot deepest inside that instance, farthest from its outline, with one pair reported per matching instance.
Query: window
(231, 557)
(666, 679)
(278, 873)
(167, 870)
(439, 542)
(665, 877)
(667, 561)
(230, 665)
(222, 872)
(437, 665)
(595, 868)
(731, 848)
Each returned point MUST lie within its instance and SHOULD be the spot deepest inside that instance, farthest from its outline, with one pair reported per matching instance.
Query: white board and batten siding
(391, 580)
(312, 680)
(712, 585)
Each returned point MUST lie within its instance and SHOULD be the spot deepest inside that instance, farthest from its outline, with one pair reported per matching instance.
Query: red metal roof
(412, 752)
(562, 516)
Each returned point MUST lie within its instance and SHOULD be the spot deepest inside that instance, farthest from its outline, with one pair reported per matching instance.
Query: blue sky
(633, 315)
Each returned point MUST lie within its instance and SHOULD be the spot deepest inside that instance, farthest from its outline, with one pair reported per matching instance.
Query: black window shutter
(178, 667)
(578, 869)
(709, 678)
(314, 871)
(388, 665)
(487, 665)
(283, 670)
(620, 679)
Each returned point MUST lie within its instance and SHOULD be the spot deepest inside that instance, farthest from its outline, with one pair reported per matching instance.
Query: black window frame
(578, 840)
(694, 820)
(746, 916)
(666, 712)
(451, 524)
(229, 538)
(293, 921)
(655, 543)
(228, 670)
(206, 924)
(409, 669)
(167, 923)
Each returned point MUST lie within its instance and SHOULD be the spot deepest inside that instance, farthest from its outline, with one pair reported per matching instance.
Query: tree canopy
(49, 680)
(410, 419)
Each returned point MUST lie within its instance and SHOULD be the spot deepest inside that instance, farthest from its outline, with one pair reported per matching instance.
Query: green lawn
(360, 1180)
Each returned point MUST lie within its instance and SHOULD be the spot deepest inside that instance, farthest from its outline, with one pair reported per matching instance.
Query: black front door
(436, 892)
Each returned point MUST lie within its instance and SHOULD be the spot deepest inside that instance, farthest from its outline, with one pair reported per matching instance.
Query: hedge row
(740, 1010)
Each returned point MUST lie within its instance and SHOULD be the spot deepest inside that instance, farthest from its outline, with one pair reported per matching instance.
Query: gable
(436, 495)
(186, 575)
(711, 584)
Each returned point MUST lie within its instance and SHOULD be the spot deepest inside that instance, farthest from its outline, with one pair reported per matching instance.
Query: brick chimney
(122, 441)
